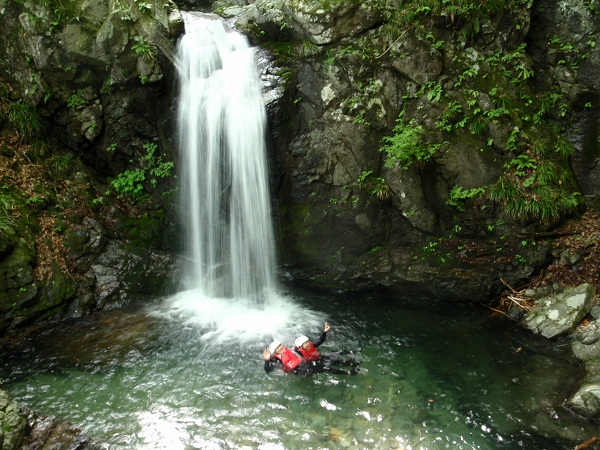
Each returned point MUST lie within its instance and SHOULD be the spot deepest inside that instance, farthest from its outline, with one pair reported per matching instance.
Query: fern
(407, 146)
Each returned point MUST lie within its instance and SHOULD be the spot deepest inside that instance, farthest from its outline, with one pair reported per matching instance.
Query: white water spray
(224, 191)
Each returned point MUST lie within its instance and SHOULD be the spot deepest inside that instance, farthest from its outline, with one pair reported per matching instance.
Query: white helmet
(300, 340)
(273, 346)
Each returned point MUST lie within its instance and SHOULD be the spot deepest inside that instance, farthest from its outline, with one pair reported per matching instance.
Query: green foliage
(25, 119)
(435, 93)
(8, 224)
(541, 203)
(435, 44)
(512, 65)
(534, 189)
(124, 9)
(459, 196)
(307, 49)
(60, 163)
(143, 6)
(76, 100)
(132, 182)
(564, 148)
(363, 100)
(449, 118)
(142, 49)
(106, 84)
(59, 12)
(376, 186)
(548, 104)
(469, 73)
(467, 14)
(479, 125)
(407, 146)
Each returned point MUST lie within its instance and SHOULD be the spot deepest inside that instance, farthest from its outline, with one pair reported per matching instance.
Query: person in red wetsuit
(311, 354)
(291, 362)
(307, 349)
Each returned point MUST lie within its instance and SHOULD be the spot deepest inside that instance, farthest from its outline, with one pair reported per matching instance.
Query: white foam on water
(222, 320)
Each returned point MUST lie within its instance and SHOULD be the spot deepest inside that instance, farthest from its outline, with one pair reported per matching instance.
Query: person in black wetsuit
(309, 352)
(277, 355)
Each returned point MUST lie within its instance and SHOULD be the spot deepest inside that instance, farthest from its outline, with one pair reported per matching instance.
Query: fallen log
(587, 443)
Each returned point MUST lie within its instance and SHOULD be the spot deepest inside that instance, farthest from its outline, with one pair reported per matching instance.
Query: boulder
(586, 401)
(560, 313)
(586, 343)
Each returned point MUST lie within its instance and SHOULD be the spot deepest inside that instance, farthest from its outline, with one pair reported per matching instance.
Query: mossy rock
(59, 289)
(144, 231)
(16, 276)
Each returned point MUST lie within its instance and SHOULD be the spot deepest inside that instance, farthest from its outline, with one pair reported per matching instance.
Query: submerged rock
(53, 433)
(560, 314)
(23, 429)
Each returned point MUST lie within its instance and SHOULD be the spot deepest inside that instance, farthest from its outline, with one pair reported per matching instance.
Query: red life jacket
(289, 359)
(310, 354)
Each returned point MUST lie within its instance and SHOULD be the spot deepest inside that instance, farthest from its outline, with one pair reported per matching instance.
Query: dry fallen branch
(515, 298)
(587, 443)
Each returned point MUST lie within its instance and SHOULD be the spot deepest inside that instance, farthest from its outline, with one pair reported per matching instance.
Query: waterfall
(223, 168)
(230, 293)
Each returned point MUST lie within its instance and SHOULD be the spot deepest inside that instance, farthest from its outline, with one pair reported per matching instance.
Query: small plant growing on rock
(7, 222)
(536, 188)
(142, 49)
(459, 196)
(76, 100)
(407, 147)
(374, 185)
(131, 183)
(25, 119)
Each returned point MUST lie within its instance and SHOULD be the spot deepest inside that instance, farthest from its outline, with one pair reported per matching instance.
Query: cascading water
(230, 288)
(224, 190)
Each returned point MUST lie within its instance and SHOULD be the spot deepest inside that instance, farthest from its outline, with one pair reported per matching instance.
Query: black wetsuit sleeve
(269, 365)
(321, 339)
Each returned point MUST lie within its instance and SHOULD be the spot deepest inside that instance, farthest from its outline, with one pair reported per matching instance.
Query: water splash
(224, 191)
(222, 321)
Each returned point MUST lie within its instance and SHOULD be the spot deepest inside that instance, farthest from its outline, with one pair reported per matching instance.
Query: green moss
(144, 231)
(59, 289)
(298, 231)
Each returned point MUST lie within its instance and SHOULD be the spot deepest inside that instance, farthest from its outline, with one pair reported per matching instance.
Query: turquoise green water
(433, 376)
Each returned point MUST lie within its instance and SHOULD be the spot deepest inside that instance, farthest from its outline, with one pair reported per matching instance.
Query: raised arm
(268, 363)
(324, 335)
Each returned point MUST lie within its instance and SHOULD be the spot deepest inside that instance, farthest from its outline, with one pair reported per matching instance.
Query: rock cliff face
(422, 149)
(462, 110)
(86, 98)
